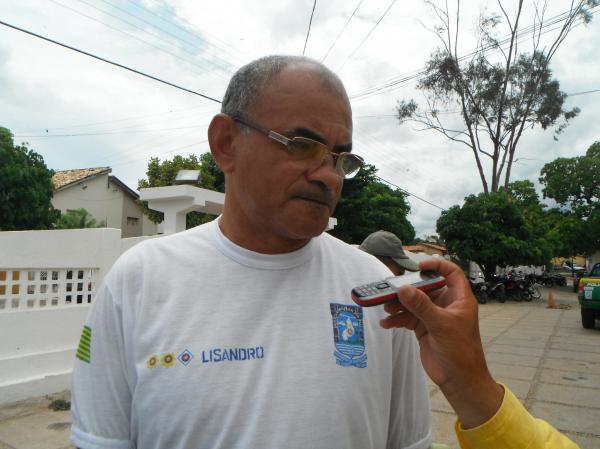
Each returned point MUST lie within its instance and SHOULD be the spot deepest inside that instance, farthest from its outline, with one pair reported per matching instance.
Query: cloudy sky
(78, 112)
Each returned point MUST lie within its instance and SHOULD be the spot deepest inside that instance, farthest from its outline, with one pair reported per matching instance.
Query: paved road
(544, 355)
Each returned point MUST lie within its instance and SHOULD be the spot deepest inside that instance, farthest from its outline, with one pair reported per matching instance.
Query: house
(104, 196)
(431, 249)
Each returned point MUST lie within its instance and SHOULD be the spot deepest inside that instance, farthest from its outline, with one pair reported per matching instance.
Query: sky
(78, 112)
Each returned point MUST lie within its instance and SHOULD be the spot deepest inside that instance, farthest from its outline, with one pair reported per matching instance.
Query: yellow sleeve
(512, 427)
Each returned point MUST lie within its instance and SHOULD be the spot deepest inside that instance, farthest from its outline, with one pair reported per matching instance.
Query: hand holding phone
(380, 292)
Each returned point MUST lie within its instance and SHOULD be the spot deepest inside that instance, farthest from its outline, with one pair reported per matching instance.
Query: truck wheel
(587, 318)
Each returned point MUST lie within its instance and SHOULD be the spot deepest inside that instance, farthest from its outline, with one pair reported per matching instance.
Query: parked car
(588, 295)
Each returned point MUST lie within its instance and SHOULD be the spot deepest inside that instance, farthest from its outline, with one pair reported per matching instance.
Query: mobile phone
(380, 292)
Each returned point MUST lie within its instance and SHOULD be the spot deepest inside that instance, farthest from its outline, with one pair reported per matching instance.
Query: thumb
(418, 303)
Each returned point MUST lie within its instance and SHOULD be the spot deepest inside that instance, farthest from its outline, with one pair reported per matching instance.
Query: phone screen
(407, 278)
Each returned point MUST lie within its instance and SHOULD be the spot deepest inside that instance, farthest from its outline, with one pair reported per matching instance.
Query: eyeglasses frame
(286, 141)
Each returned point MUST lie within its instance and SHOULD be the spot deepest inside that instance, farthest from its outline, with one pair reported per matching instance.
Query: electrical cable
(226, 47)
(409, 193)
(132, 36)
(309, 24)
(52, 41)
(342, 31)
(583, 93)
(401, 81)
(137, 117)
(367, 36)
(47, 136)
(194, 45)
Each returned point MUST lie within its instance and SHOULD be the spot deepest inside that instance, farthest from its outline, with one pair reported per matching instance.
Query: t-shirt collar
(253, 259)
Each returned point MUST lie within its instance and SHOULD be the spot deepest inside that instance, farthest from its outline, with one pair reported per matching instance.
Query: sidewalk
(546, 358)
(544, 355)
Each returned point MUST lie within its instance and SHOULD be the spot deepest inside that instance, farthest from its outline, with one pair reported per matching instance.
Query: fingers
(401, 319)
(418, 303)
(452, 272)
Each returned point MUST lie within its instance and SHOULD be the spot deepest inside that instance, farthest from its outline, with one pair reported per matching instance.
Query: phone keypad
(371, 289)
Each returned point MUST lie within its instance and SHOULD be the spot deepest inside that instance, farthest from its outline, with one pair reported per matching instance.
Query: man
(241, 333)
(387, 247)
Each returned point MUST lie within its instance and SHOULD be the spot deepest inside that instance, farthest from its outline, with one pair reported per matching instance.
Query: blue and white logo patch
(348, 335)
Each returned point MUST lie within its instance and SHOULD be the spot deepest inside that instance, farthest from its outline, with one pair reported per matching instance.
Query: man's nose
(326, 172)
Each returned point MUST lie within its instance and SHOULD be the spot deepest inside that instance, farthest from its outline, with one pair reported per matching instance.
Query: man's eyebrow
(309, 133)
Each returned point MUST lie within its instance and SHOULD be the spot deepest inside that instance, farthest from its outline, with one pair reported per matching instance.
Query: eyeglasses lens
(303, 148)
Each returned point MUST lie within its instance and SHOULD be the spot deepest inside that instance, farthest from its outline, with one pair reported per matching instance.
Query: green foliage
(25, 188)
(368, 205)
(574, 183)
(78, 219)
(491, 230)
(163, 173)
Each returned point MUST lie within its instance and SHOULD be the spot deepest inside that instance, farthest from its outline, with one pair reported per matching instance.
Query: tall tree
(368, 205)
(25, 188)
(497, 99)
(574, 183)
(163, 173)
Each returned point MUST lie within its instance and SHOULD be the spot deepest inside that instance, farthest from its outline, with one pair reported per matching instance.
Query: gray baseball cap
(386, 244)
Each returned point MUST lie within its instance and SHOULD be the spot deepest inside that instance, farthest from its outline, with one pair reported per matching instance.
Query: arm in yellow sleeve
(512, 427)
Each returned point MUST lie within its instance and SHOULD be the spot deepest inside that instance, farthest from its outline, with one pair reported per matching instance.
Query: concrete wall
(48, 280)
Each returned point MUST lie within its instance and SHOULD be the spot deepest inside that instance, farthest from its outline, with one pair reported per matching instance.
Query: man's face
(276, 195)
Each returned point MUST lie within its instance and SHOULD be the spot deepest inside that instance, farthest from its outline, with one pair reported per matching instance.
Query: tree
(574, 183)
(78, 219)
(163, 173)
(497, 100)
(368, 205)
(25, 188)
(491, 230)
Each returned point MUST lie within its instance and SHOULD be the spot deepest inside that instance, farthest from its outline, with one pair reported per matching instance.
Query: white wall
(46, 281)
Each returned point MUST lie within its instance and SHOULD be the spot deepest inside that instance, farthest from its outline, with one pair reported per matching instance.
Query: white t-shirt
(195, 342)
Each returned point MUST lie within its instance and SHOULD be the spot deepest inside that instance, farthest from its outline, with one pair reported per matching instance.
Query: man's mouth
(313, 200)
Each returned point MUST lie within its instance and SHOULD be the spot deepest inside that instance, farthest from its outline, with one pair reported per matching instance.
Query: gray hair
(247, 83)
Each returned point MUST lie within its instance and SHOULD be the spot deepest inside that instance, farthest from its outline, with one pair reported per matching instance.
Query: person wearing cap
(387, 247)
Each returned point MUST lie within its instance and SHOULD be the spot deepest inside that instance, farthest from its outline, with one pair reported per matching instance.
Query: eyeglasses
(305, 149)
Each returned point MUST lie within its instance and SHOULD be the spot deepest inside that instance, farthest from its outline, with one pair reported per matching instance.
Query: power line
(106, 122)
(309, 24)
(342, 31)
(402, 80)
(168, 83)
(103, 133)
(409, 193)
(367, 36)
(133, 36)
(583, 93)
(226, 46)
(177, 38)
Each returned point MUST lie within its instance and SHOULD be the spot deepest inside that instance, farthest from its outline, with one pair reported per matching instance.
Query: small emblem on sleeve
(84, 350)
(185, 357)
(152, 361)
(348, 335)
(168, 359)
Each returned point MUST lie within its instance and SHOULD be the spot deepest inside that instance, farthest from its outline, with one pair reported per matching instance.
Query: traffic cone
(551, 302)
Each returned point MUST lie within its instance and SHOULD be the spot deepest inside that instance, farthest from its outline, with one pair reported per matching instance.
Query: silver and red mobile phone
(380, 292)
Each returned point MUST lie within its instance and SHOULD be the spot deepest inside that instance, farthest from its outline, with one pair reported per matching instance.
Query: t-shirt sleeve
(410, 413)
(101, 396)
(513, 426)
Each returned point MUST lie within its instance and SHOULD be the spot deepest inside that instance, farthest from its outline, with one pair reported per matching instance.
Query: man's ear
(221, 132)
